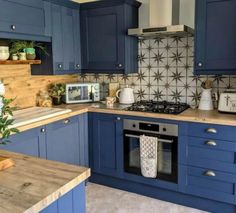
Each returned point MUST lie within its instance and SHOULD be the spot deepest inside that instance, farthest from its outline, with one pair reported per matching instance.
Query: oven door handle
(159, 140)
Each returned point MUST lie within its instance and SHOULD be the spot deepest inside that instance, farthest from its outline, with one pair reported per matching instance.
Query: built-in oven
(167, 153)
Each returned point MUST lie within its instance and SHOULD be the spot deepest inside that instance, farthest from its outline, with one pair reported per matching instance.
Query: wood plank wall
(24, 87)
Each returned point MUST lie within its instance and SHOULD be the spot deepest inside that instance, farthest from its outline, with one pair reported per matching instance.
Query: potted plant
(27, 48)
(57, 91)
(6, 120)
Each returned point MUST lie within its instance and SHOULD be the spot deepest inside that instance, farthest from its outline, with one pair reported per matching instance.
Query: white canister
(4, 53)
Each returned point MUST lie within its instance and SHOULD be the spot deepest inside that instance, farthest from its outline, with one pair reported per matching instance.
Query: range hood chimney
(163, 18)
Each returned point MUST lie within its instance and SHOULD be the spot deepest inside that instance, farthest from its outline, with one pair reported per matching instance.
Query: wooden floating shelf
(9, 62)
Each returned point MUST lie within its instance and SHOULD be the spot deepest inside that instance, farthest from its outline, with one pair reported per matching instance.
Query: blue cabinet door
(24, 17)
(65, 40)
(31, 142)
(62, 141)
(105, 44)
(105, 144)
(215, 44)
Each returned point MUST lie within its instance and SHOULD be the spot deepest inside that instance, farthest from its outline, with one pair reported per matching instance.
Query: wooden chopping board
(5, 163)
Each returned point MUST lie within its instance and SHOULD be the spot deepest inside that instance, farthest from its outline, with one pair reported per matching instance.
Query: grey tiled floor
(101, 199)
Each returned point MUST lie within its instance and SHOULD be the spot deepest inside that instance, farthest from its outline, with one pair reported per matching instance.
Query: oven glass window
(167, 157)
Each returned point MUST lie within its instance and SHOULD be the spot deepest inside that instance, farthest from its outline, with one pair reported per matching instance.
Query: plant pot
(4, 53)
(56, 100)
(30, 53)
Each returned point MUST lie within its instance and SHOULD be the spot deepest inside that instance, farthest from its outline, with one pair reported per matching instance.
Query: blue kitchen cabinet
(215, 44)
(105, 144)
(106, 47)
(31, 142)
(72, 202)
(21, 17)
(62, 141)
(63, 25)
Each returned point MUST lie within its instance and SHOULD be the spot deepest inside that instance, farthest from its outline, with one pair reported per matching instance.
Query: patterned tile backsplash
(165, 73)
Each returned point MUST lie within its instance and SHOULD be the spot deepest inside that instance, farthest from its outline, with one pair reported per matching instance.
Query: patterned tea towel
(148, 156)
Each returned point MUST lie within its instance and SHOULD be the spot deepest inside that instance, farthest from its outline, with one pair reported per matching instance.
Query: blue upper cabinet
(63, 25)
(22, 19)
(106, 47)
(65, 40)
(215, 43)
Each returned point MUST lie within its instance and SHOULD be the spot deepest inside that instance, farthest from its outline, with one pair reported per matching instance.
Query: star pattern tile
(165, 72)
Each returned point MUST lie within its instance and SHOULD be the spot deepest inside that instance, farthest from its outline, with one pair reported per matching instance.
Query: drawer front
(216, 154)
(21, 18)
(212, 131)
(210, 184)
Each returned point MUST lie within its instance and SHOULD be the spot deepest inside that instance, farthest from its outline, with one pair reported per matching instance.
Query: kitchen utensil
(125, 95)
(4, 53)
(110, 101)
(227, 101)
(206, 102)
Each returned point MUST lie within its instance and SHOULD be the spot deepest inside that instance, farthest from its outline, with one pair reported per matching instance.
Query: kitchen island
(38, 185)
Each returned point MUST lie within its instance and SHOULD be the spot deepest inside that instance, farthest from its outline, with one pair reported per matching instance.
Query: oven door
(167, 155)
(79, 93)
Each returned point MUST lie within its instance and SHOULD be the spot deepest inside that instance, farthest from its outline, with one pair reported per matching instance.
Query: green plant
(57, 90)
(6, 120)
(19, 46)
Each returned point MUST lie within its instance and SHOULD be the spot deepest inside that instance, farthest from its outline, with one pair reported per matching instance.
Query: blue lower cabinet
(209, 183)
(31, 142)
(105, 143)
(71, 202)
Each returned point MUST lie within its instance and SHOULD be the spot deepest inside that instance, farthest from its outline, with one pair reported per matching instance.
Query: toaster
(227, 101)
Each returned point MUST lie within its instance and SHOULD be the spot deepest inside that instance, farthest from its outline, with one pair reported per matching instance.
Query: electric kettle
(125, 95)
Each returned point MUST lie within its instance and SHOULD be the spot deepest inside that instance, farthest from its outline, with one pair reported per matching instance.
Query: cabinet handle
(199, 64)
(211, 130)
(59, 66)
(42, 130)
(118, 118)
(119, 65)
(13, 27)
(211, 143)
(210, 173)
(66, 121)
(77, 66)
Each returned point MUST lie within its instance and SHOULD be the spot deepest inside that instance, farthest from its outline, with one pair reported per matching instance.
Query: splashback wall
(165, 73)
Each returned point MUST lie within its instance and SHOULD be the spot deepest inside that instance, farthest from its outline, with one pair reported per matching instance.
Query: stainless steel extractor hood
(163, 18)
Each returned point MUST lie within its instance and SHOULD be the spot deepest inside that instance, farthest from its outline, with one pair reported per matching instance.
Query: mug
(110, 101)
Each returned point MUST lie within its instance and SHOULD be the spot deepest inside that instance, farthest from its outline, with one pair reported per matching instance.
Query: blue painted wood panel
(26, 16)
(215, 44)
(105, 144)
(31, 142)
(63, 141)
(106, 46)
(72, 202)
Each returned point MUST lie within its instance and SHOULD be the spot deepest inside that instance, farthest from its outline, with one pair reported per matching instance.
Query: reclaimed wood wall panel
(23, 86)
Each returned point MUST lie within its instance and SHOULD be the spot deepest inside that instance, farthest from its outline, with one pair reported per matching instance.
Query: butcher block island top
(33, 184)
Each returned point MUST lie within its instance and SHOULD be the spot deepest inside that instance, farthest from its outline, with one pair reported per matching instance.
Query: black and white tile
(165, 73)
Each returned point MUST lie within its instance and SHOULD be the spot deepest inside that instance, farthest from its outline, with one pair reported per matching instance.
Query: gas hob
(158, 107)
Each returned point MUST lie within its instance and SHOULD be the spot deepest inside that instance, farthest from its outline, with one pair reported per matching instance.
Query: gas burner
(158, 107)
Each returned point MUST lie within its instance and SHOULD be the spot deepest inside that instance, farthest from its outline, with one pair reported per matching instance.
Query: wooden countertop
(190, 115)
(33, 184)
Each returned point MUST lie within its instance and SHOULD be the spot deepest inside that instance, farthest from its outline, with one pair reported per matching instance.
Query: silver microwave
(82, 92)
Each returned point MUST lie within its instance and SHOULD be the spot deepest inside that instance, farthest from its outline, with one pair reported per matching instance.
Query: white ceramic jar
(4, 53)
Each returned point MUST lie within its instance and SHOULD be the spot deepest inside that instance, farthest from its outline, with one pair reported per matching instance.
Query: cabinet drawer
(210, 184)
(212, 131)
(22, 17)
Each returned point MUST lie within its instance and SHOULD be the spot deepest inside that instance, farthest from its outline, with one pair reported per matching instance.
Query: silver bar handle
(160, 140)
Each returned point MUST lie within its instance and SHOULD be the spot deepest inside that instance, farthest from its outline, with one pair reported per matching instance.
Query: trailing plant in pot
(6, 120)
(57, 91)
(27, 47)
